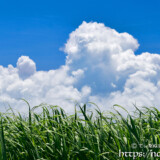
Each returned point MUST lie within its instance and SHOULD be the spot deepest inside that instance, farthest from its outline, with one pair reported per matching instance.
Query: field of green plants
(54, 135)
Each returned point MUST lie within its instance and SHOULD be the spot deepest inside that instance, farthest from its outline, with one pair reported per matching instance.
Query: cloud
(115, 74)
(26, 67)
(101, 66)
(53, 86)
(94, 49)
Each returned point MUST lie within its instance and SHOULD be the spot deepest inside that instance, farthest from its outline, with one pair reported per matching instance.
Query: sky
(101, 51)
(39, 28)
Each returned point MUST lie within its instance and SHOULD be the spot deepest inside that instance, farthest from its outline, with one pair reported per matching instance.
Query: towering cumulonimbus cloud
(101, 67)
(96, 50)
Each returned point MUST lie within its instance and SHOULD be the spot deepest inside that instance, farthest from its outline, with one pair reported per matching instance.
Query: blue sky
(39, 28)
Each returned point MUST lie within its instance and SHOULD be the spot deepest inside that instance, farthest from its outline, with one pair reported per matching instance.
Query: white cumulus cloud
(101, 66)
(26, 67)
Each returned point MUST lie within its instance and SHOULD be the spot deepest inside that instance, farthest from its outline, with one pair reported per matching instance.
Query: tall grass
(54, 135)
